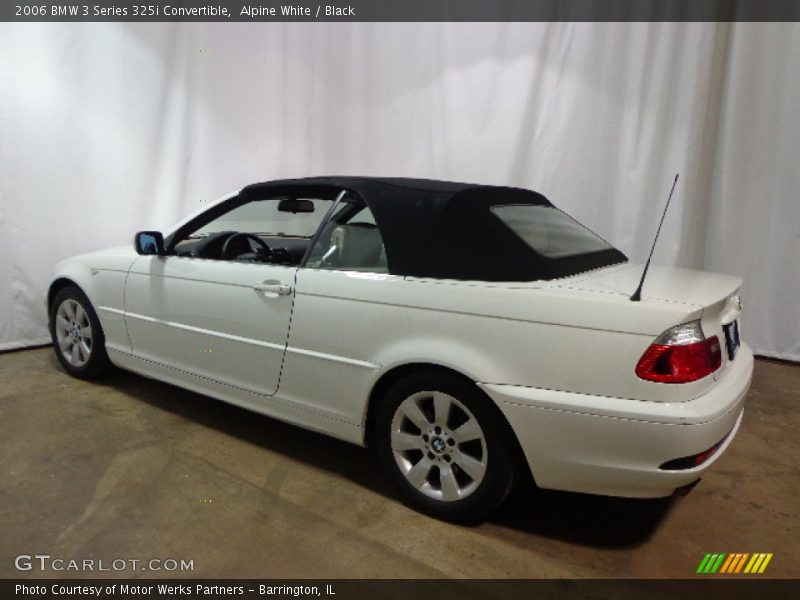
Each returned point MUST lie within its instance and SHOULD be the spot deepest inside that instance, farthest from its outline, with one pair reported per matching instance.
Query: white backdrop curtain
(110, 128)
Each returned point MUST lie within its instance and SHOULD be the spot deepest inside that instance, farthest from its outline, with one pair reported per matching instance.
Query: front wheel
(445, 445)
(77, 336)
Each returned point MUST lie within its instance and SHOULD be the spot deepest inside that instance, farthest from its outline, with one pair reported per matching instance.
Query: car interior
(350, 239)
(246, 247)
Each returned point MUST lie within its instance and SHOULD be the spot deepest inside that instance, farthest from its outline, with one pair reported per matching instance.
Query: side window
(350, 241)
(275, 230)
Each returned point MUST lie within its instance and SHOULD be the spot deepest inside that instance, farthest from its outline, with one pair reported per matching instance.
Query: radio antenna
(637, 295)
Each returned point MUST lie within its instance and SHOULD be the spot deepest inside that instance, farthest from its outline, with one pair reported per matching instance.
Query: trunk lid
(699, 289)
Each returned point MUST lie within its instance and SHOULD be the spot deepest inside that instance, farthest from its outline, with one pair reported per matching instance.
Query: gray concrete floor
(133, 468)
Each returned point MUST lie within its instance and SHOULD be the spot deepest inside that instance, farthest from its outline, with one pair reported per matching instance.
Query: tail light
(680, 355)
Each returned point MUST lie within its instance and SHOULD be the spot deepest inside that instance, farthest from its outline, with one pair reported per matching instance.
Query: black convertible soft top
(445, 229)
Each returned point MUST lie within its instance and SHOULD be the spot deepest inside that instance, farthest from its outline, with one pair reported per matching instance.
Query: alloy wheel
(439, 446)
(73, 332)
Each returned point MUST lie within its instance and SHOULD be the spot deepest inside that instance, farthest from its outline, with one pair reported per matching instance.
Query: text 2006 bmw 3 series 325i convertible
(463, 332)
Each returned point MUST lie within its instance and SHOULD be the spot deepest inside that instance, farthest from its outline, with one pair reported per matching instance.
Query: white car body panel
(101, 275)
(557, 357)
(188, 313)
(615, 447)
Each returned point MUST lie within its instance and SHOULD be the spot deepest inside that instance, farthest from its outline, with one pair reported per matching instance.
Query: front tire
(78, 338)
(445, 445)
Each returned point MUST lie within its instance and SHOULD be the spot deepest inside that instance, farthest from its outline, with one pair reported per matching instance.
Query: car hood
(662, 284)
(119, 258)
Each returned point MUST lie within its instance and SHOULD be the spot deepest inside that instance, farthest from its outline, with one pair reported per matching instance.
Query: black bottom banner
(418, 589)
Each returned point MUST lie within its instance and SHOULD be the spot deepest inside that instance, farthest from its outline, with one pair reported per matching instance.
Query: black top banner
(401, 10)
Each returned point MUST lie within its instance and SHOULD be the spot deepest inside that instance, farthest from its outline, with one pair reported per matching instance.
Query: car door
(219, 320)
(224, 320)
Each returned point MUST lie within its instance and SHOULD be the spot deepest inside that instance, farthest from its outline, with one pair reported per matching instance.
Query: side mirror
(295, 205)
(149, 242)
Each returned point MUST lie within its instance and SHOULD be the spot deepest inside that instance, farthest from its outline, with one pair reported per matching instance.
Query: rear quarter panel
(542, 337)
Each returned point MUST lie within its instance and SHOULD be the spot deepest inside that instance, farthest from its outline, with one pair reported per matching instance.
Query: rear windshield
(549, 231)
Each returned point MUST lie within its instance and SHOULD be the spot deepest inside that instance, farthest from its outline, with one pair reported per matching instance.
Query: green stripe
(710, 563)
(703, 562)
(718, 563)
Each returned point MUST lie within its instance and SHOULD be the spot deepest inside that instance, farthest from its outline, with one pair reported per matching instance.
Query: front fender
(101, 276)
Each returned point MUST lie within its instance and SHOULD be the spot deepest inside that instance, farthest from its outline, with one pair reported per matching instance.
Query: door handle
(268, 287)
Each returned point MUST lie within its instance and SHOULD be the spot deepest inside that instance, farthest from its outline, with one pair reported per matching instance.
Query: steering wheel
(231, 249)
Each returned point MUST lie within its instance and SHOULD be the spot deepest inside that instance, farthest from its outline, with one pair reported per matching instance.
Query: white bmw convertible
(466, 333)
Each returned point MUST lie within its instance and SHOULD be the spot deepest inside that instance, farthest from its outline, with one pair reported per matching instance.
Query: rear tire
(445, 445)
(78, 339)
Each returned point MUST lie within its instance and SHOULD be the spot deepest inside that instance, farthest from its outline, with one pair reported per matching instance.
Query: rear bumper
(614, 446)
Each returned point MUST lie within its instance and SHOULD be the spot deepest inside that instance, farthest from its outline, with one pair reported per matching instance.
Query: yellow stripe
(741, 562)
(753, 561)
(752, 567)
(724, 568)
(761, 558)
(765, 563)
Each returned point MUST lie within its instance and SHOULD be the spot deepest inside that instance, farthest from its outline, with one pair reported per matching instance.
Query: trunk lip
(664, 284)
